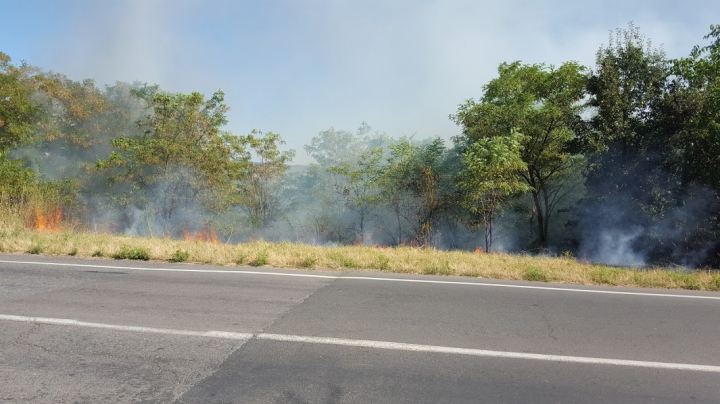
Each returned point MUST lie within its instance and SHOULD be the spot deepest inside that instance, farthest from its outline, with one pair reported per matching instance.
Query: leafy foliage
(182, 160)
(180, 256)
(417, 184)
(358, 187)
(490, 179)
(542, 104)
(260, 185)
(132, 253)
(18, 112)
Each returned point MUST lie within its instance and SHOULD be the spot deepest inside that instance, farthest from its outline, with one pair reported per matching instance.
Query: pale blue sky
(297, 67)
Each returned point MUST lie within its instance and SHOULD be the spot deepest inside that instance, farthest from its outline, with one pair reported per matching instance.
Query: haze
(299, 67)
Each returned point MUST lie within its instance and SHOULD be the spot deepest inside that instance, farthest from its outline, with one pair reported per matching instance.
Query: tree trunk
(542, 235)
(488, 235)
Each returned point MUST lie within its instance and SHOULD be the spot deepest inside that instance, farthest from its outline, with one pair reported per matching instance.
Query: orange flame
(47, 222)
(205, 234)
(56, 218)
(40, 221)
(478, 250)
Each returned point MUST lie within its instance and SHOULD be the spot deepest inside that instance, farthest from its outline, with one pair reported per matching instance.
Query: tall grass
(406, 260)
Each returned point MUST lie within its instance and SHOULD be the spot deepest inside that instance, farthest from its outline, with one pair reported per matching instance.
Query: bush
(345, 262)
(383, 262)
(98, 253)
(261, 259)
(308, 262)
(606, 275)
(132, 253)
(714, 283)
(535, 274)
(180, 256)
(35, 249)
(686, 280)
(73, 252)
(438, 270)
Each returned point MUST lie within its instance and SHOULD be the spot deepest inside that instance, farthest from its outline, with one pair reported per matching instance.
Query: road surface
(74, 330)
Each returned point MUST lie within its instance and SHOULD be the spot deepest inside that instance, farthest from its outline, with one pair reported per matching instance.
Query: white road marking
(131, 328)
(367, 278)
(214, 271)
(396, 346)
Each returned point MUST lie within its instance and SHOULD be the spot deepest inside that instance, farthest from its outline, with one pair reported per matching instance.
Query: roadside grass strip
(403, 260)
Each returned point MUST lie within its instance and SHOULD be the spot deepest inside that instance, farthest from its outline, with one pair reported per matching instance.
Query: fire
(478, 250)
(47, 221)
(40, 221)
(206, 234)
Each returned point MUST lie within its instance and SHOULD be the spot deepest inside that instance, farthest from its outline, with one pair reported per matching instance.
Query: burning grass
(407, 260)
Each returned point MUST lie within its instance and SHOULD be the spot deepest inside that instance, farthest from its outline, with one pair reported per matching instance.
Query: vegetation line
(407, 260)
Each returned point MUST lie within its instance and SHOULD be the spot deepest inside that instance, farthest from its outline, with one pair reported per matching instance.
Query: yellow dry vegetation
(407, 260)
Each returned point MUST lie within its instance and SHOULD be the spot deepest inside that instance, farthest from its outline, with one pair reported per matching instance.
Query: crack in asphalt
(550, 327)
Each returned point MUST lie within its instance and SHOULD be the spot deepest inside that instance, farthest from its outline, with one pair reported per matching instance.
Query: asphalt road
(125, 331)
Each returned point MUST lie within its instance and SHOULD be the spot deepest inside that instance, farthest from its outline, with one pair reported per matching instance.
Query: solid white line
(396, 346)
(215, 271)
(501, 285)
(369, 278)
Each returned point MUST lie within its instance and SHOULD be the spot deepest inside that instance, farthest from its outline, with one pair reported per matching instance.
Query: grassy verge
(398, 260)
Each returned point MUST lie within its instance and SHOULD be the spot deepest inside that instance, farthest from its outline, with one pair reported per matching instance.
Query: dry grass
(398, 260)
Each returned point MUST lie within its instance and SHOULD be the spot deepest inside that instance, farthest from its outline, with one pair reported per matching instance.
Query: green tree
(321, 199)
(542, 103)
(689, 117)
(417, 184)
(490, 179)
(18, 117)
(181, 162)
(260, 187)
(358, 187)
(696, 95)
(18, 112)
(623, 142)
(625, 85)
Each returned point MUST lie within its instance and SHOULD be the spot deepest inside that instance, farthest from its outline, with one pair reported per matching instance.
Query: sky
(298, 67)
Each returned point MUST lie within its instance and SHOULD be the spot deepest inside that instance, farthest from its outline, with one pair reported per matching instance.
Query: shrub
(606, 275)
(132, 253)
(261, 259)
(180, 256)
(35, 249)
(98, 253)
(438, 270)
(535, 274)
(383, 262)
(344, 262)
(308, 262)
(686, 280)
(73, 252)
(714, 283)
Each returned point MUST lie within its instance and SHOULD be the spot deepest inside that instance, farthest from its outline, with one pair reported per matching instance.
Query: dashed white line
(131, 328)
(369, 278)
(396, 346)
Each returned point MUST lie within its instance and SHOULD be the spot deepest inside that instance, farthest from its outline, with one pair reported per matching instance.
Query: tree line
(618, 162)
